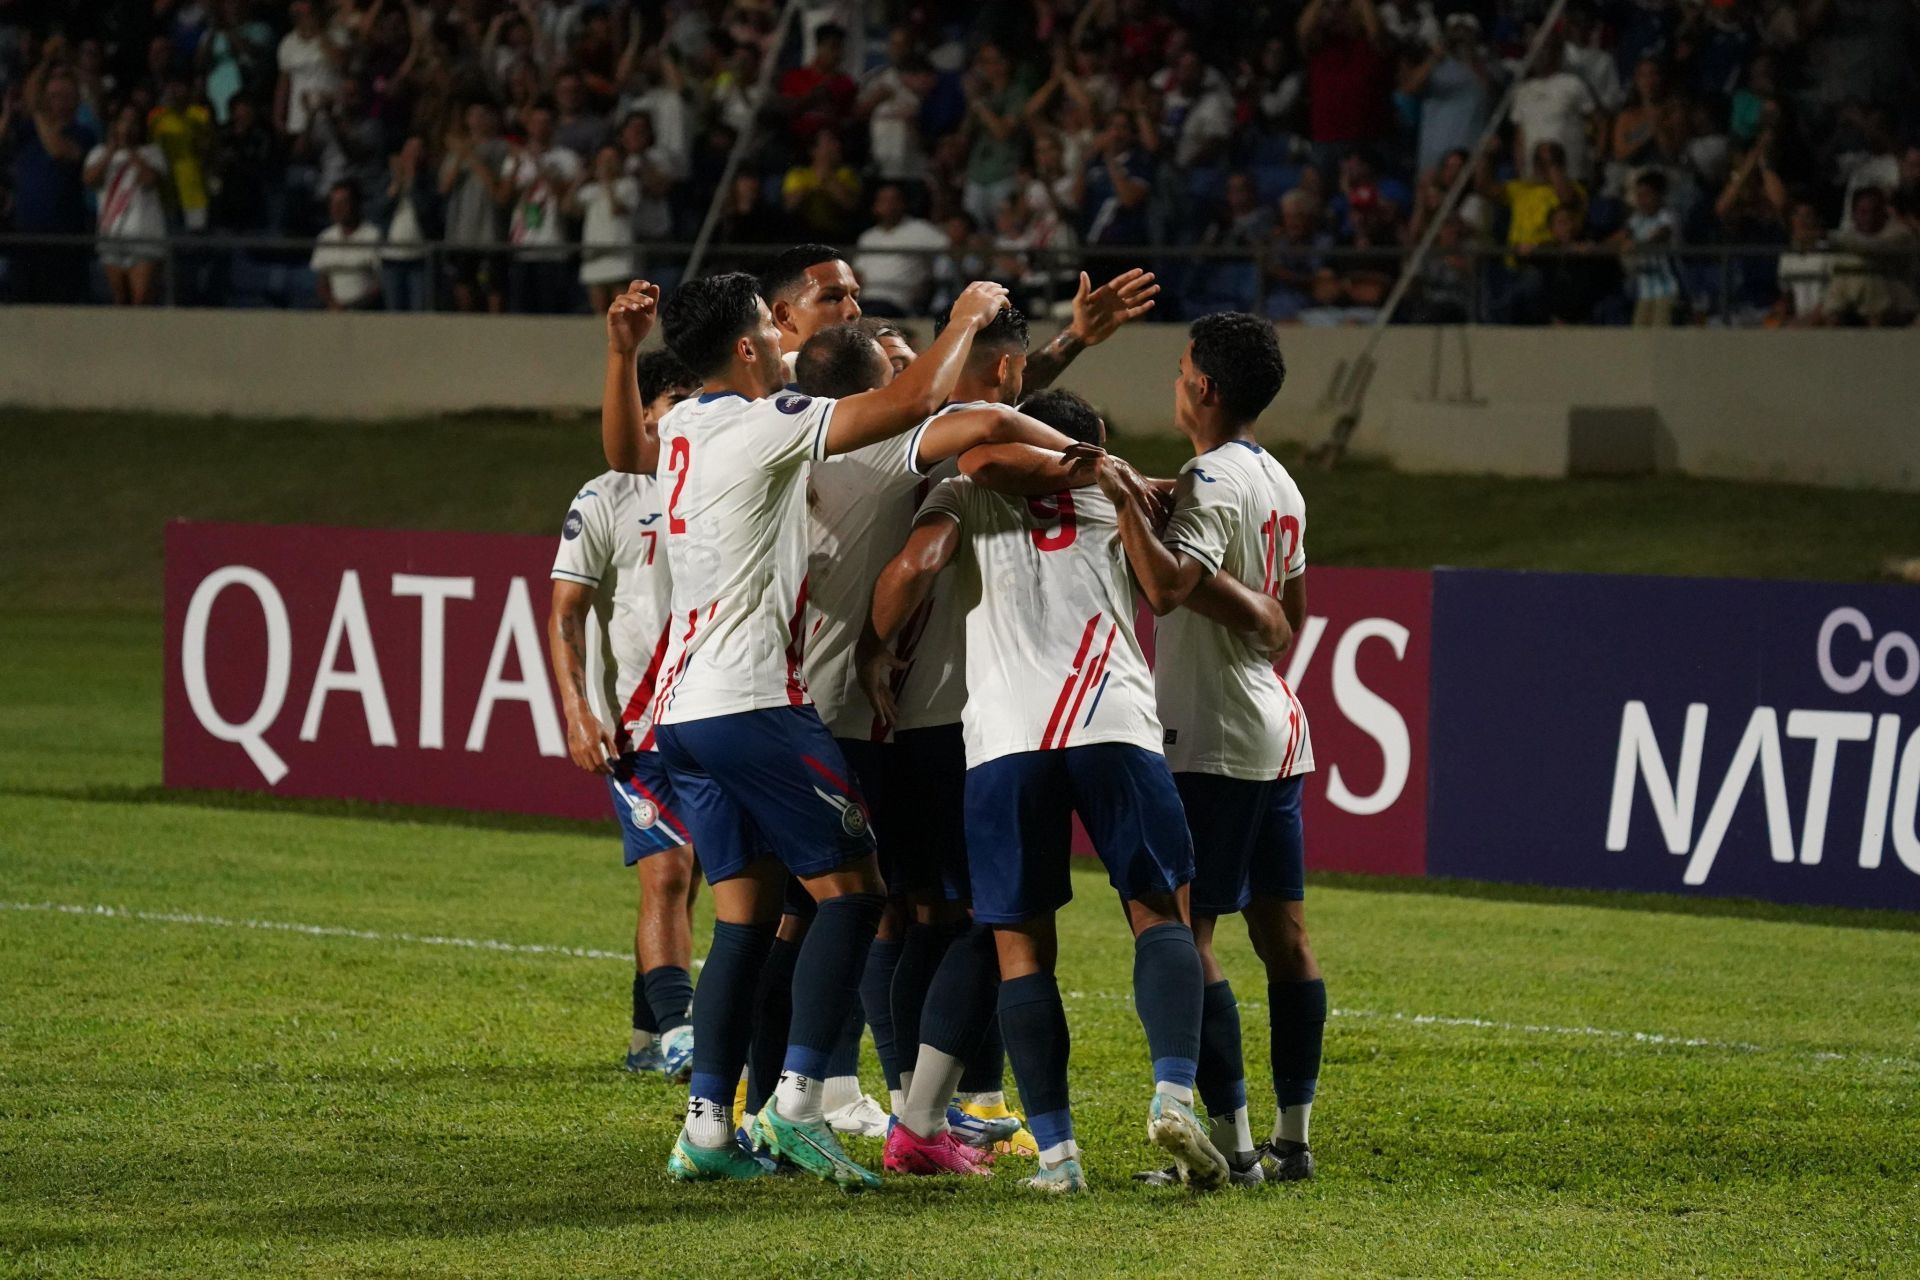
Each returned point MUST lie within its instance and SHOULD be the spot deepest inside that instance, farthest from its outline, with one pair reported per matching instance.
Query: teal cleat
(1172, 1126)
(646, 1062)
(676, 1054)
(1065, 1178)
(731, 1163)
(812, 1146)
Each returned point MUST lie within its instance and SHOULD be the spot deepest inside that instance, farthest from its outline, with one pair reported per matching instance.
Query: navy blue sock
(965, 992)
(643, 1011)
(1034, 1023)
(1223, 1072)
(987, 1066)
(844, 1059)
(876, 998)
(670, 995)
(1166, 991)
(773, 1010)
(723, 1010)
(826, 980)
(1299, 1024)
(920, 956)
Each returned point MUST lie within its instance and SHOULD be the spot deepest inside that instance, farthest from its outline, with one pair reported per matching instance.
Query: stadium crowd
(536, 147)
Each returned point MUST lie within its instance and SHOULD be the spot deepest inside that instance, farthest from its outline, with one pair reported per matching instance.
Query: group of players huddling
(869, 648)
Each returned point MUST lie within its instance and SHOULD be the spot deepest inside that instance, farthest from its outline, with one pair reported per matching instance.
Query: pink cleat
(909, 1153)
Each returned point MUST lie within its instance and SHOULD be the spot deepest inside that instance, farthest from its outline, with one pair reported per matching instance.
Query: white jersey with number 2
(1052, 659)
(1226, 709)
(733, 472)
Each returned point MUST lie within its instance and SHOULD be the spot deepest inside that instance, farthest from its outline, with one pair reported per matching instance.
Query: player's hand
(1083, 462)
(978, 304)
(1098, 312)
(1276, 633)
(877, 669)
(591, 745)
(630, 318)
(1122, 484)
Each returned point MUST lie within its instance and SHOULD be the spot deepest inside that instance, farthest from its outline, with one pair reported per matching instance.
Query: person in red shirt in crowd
(819, 95)
(1349, 77)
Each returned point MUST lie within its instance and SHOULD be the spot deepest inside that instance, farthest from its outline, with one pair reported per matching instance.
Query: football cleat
(812, 1146)
(731, 1163)
(979, 1128)
(646, 1062)
(676, 1054)
(1172, 1126)
(863, 1118)
(1058, 1179)
(1251, 1176)
(1283, 1161)
(909, 1153)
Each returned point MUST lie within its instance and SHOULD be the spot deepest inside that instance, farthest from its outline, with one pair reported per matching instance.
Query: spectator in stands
(1583, 56)
(748, 218)
(890, 103)
(965, 259)
(535, 183)
(1196, 113)
(1448, 282)
(1870, 274)
(412, 207)
(606, 206)
(1455, 87)
(1652, 127)
(654, 167)
(348, 142)
(126, 173)
(1651, 229)
(1296, 260)
(1531, 200)
(1870, 158)
(1805, 269)
(819, 95)
(1565, 277)
(248, 163)
(993, 123)
(470, 183)
(346, 263)
(893, 283)
(234, 55)
(823, 194)
(1552, 104)
(1349, 76)
(576, 128)
(49, 148)
(1113, 188)
(309, 58)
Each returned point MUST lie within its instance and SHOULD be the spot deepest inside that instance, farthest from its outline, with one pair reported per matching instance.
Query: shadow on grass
(1617, 900)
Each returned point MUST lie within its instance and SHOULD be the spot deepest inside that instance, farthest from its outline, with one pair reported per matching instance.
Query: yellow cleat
(740, 1103)
(993, 1120)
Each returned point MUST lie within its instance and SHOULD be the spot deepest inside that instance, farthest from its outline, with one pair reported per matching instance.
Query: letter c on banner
(1845, 616)
(193, 662)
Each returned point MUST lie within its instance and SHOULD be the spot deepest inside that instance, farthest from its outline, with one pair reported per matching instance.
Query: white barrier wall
(1832, 407)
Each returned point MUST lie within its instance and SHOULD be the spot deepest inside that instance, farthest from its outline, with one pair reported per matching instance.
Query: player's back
(1225, 709)
(734, 475)
(1052, 659)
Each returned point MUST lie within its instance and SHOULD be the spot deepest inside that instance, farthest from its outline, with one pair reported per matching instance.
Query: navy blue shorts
(1020, 827)
(643, 802)
(1247, 839)
(871, 765)
(930, 798)
(765, 781)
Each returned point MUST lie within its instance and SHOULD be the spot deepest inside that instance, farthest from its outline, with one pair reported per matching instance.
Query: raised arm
(590, 743)
(898, 593)
(873, 416)
(1029, 471)
(1097, 313)
(629, 446)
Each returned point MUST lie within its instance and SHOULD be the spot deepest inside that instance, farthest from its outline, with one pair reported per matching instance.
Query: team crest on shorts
(853, 820)
(645, 814)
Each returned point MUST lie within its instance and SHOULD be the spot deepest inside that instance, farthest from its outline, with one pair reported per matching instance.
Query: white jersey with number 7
(1052, 659)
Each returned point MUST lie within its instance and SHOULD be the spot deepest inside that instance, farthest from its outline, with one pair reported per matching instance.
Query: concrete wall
(1834, 408)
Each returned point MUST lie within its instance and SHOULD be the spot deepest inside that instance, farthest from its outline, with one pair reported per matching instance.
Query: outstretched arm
(900, 590)
(1096, 314)
(624, 437)
(873, 416)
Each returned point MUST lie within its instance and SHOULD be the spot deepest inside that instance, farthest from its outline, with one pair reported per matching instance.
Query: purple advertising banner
(1726, 738)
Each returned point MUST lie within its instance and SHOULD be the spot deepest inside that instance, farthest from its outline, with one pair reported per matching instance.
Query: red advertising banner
(411, 668)
(368, 663)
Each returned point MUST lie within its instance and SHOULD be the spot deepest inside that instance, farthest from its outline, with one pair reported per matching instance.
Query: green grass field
(1517, 1081)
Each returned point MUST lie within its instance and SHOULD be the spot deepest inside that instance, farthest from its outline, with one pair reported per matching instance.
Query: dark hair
(704, 318)
(1241, 356)
(1654, 179)
(353, 191)
(659, 372)
(789, 268)
(1066, 413)
(544, 103)
(840, 360)
(876, 328)
(1005, 333)
(829, 31)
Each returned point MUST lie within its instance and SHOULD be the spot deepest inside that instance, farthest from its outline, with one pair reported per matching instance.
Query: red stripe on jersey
(796, 648)
(1092, 676)
(643, 692)
(666, 688)
(1067, 685)
(1293, 725)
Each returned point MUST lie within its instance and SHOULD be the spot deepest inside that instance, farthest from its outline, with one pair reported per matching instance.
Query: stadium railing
(1481, 283)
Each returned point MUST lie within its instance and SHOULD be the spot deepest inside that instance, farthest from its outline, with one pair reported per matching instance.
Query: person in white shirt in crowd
(469, 183)
(1196, 111)
(1586, 59)
(1870, 284)
(403, 262)
(346, 258)
(1804, 270)
(655, 168)
(657, 88)
(1553, 105)
(892, 283)
(1651, 226)
(309, 60)
(534, 185)
(606, 206)
(124, 173)
(890, 103)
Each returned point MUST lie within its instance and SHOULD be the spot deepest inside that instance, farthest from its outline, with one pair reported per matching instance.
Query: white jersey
(1052, 659)
(932, 689)
(860, 508)
(1227, 711)
(614, 540)
(733, 472)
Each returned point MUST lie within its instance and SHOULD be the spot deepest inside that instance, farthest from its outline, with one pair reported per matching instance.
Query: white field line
(1650, 1038)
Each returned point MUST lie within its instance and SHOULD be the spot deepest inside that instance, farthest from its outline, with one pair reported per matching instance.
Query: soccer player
(1236, 735)
(754, 770)
(1059, 718)
(610, 564)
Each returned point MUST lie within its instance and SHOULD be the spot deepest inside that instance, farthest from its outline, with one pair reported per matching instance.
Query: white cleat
(1172, 1126)
(863, 1118)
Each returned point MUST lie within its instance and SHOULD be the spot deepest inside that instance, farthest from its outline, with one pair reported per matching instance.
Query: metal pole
(724, 191)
